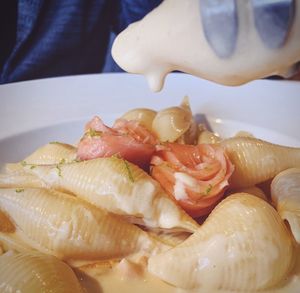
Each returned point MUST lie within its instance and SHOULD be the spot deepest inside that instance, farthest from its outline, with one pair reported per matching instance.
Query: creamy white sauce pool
(181, 181)
(126, 279)
(171, 38)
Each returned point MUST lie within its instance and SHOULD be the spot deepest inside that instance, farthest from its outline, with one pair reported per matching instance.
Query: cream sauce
(171, 38)
(127, 278)
(181, 181)
(179, 188)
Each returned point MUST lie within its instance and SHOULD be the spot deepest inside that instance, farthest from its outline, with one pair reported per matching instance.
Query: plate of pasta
(107, 187)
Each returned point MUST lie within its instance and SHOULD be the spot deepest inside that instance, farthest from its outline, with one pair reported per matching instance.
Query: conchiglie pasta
(143, 115)
(207, 136)
(6, 224)
(120, 187)
(257, 161)
(20, 180)
(113, 222)
(64, 226)
(253, 190)
(35, 272)
(16, 241)
(242, 246)
(285, 193)
(49, 154)
(171, 123)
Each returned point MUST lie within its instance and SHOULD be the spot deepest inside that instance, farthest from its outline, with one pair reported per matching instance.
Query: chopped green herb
(208, 189)
(18, 190)
(127, 166)
(128, 169)
(58, 170)
(208, 168)
(76, 161)
(62, 161)
(93, 133)
(23, 163)
(117, 156)
(54, 142)
(167, 164)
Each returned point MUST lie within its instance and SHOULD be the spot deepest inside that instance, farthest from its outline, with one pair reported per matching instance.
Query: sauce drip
(171, 37)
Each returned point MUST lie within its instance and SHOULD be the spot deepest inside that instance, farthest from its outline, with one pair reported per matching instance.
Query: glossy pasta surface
(154, 194)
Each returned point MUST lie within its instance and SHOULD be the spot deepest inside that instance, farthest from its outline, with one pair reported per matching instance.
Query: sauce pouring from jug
(230, 42)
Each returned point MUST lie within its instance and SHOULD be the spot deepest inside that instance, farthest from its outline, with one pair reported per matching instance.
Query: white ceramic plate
(56, 109)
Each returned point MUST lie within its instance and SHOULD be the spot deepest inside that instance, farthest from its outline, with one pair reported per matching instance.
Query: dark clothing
(43, 38)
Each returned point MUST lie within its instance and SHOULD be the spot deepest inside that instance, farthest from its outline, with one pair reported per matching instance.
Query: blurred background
(45, 38)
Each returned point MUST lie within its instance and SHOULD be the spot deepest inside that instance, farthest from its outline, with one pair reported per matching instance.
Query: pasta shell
(256, 160)
(49, 154)
(68, 228)
(206, 136)
(253, 190)
(15, 242)
(6, 224)
(243, 133)
(19, 180)
(190, 136)
(142, 115)
(10, 238)
(120, 187)
(171, 123)
(36, 272)
(285, 193)
(171, 239)
(243, 246)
